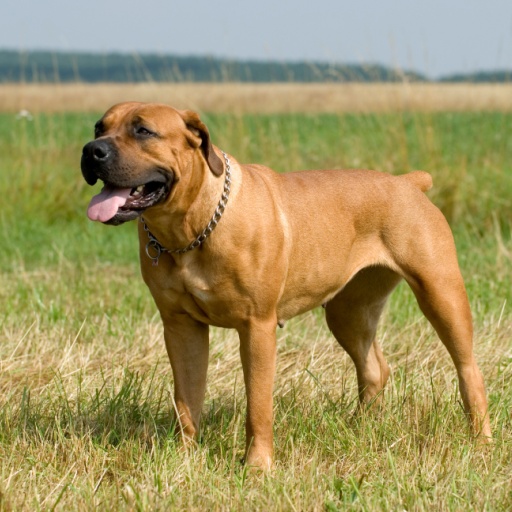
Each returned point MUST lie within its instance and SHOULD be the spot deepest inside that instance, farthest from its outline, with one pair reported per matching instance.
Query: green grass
(86, 415)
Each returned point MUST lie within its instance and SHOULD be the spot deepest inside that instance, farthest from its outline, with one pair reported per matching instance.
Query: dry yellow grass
(261, 98)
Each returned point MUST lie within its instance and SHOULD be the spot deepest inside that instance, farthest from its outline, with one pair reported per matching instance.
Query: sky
(434, 37)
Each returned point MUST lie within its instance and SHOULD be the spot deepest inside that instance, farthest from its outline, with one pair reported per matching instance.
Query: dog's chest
(192, 290)
(212, 297)
(192, 281)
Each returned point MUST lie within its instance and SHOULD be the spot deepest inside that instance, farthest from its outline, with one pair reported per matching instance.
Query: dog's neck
(181, 224)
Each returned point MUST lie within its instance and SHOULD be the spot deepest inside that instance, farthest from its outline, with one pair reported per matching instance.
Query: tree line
(54, 67)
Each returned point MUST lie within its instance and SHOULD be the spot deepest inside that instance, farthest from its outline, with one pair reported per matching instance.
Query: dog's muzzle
(127, 191)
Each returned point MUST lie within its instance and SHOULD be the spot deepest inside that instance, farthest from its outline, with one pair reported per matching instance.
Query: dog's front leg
(258, 353)
(187, 345)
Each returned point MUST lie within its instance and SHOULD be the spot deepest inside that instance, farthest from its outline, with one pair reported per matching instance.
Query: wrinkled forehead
(152, 115)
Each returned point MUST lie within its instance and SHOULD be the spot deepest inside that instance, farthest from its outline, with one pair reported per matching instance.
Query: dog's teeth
(137, 191)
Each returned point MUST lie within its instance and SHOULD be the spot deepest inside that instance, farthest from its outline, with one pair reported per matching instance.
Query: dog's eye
(144, 132)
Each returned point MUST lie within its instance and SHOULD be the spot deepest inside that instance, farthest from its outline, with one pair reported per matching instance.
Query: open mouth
(115, 205)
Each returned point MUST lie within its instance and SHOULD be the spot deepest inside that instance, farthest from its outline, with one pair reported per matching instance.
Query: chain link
(154, 249)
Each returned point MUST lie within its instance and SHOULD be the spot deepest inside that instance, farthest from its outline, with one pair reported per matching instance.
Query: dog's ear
(200, 137)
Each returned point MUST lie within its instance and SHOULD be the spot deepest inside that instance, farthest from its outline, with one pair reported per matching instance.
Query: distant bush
(479, 77)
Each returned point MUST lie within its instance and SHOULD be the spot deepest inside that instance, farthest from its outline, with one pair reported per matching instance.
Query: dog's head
(139, 152)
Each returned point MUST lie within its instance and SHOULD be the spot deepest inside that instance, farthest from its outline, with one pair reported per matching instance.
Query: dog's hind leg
(353, 315)
(443, 300)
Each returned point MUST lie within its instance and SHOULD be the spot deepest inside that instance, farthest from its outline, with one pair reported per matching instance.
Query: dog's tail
(420, 179)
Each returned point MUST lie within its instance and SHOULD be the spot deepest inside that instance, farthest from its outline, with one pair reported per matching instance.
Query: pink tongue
(104, 205)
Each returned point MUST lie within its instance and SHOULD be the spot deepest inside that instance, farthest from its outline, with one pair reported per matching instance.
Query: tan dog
(279, 245)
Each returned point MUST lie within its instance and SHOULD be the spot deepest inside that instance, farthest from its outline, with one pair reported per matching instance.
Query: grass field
(86, 415)
(262, 98)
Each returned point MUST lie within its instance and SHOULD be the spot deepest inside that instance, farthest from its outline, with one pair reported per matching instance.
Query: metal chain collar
(154, 249)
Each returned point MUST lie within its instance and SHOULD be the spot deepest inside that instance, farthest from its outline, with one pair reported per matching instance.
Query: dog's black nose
(98, 150)
(97, 158)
